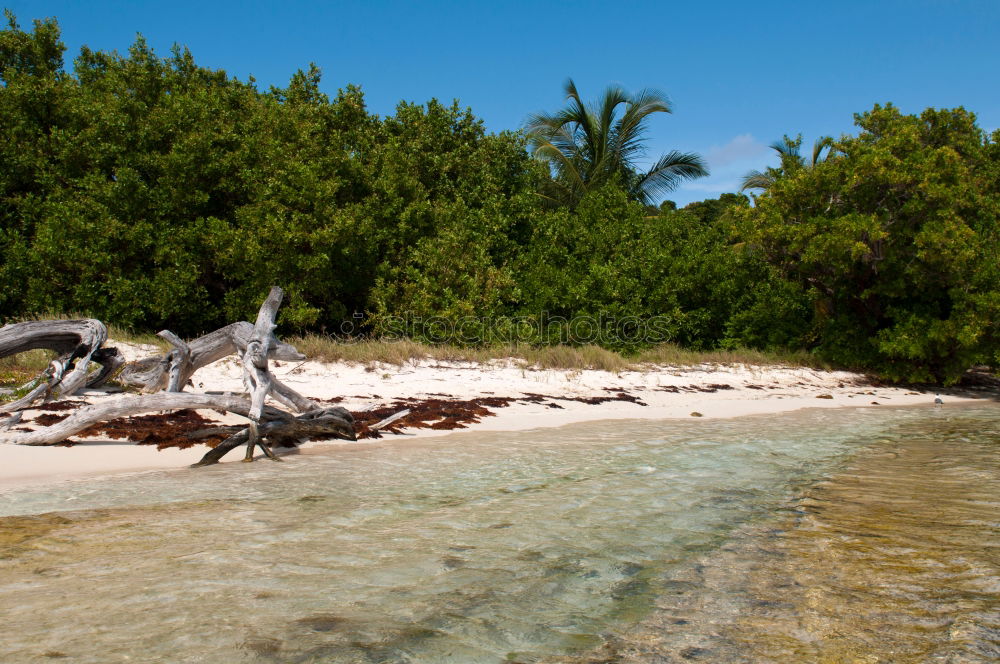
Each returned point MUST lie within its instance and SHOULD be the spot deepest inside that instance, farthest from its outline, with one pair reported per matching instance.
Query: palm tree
(791, 160)
(587, 147)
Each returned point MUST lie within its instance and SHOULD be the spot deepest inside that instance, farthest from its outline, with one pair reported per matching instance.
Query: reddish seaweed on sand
(174, 429)
(163, 430)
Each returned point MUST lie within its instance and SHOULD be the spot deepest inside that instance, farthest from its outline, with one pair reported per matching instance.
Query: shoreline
(517, 399)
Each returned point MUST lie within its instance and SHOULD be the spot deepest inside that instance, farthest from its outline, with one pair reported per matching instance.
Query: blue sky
(740, 74)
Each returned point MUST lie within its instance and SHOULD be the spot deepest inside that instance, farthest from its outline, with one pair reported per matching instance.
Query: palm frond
(757, 180)
(821, 143)
(562, 159)
(580, 115)
(603, 147)
(787, 147)
(587, 146)
(667, 173)
(631, 130)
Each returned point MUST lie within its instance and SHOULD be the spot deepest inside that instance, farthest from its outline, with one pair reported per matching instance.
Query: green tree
(34, 101)
(153, 192)
(895, 242)
(449, 209)
(298, 227)
(589, 146)
(615, 271)
(788, 150)
(711, 210)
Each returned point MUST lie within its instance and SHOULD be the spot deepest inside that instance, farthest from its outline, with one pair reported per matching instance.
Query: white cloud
(741, 148)
(712, 185)
(728, 164)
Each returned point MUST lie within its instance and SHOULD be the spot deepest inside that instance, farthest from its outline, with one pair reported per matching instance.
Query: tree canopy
(152, 192)
(895, 242)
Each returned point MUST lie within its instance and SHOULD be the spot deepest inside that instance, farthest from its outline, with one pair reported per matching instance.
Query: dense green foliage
(894, 242)
(151, 192)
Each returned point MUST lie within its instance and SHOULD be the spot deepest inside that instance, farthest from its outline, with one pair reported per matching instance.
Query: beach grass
(671, 354)
(399, 352)
(19, 368)
(124, 335)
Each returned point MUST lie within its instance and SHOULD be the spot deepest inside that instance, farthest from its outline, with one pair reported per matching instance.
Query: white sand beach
(708, 391)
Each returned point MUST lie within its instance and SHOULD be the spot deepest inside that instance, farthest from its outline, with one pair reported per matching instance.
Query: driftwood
(275, 426)
(381, 424)
(319, 423)
(322, 422)
(125, 406)
(77, 342)
(256, 377)
(81, 342)
(8, 422)
(268, 426)
(172, 370)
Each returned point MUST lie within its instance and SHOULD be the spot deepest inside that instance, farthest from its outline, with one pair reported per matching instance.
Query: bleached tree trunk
(172, 370)
(256, 377)
(273, 422)
(77, 342)
(127, 405)
(320, 423)
(255, 343)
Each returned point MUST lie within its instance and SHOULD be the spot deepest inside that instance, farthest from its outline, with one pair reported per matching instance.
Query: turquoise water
(637, 538)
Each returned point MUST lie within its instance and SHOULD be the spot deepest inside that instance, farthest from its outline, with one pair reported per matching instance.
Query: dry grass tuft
(116, 333)
(671, 354)
(369, 352)
(399, 352)
(575, 357)
(17, 369)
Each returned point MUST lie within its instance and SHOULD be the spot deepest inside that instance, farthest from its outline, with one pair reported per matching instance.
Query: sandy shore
(659, 393)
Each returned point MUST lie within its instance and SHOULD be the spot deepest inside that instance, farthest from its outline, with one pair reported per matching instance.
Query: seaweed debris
(175, 429)
(163, 430)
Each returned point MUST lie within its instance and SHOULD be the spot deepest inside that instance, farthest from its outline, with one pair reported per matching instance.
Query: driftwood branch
(381, 424)
(8, 422)
(267, 426)
(320, 423)
(110, 360)
(179, 365)
(277, 425)
(133, 405)
(78, 343)
(156, 373)
(256, 377)
(43, 386)
(290, 398)
(62, 336)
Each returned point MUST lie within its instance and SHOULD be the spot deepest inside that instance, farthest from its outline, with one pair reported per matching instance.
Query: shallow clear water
(739, 540)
